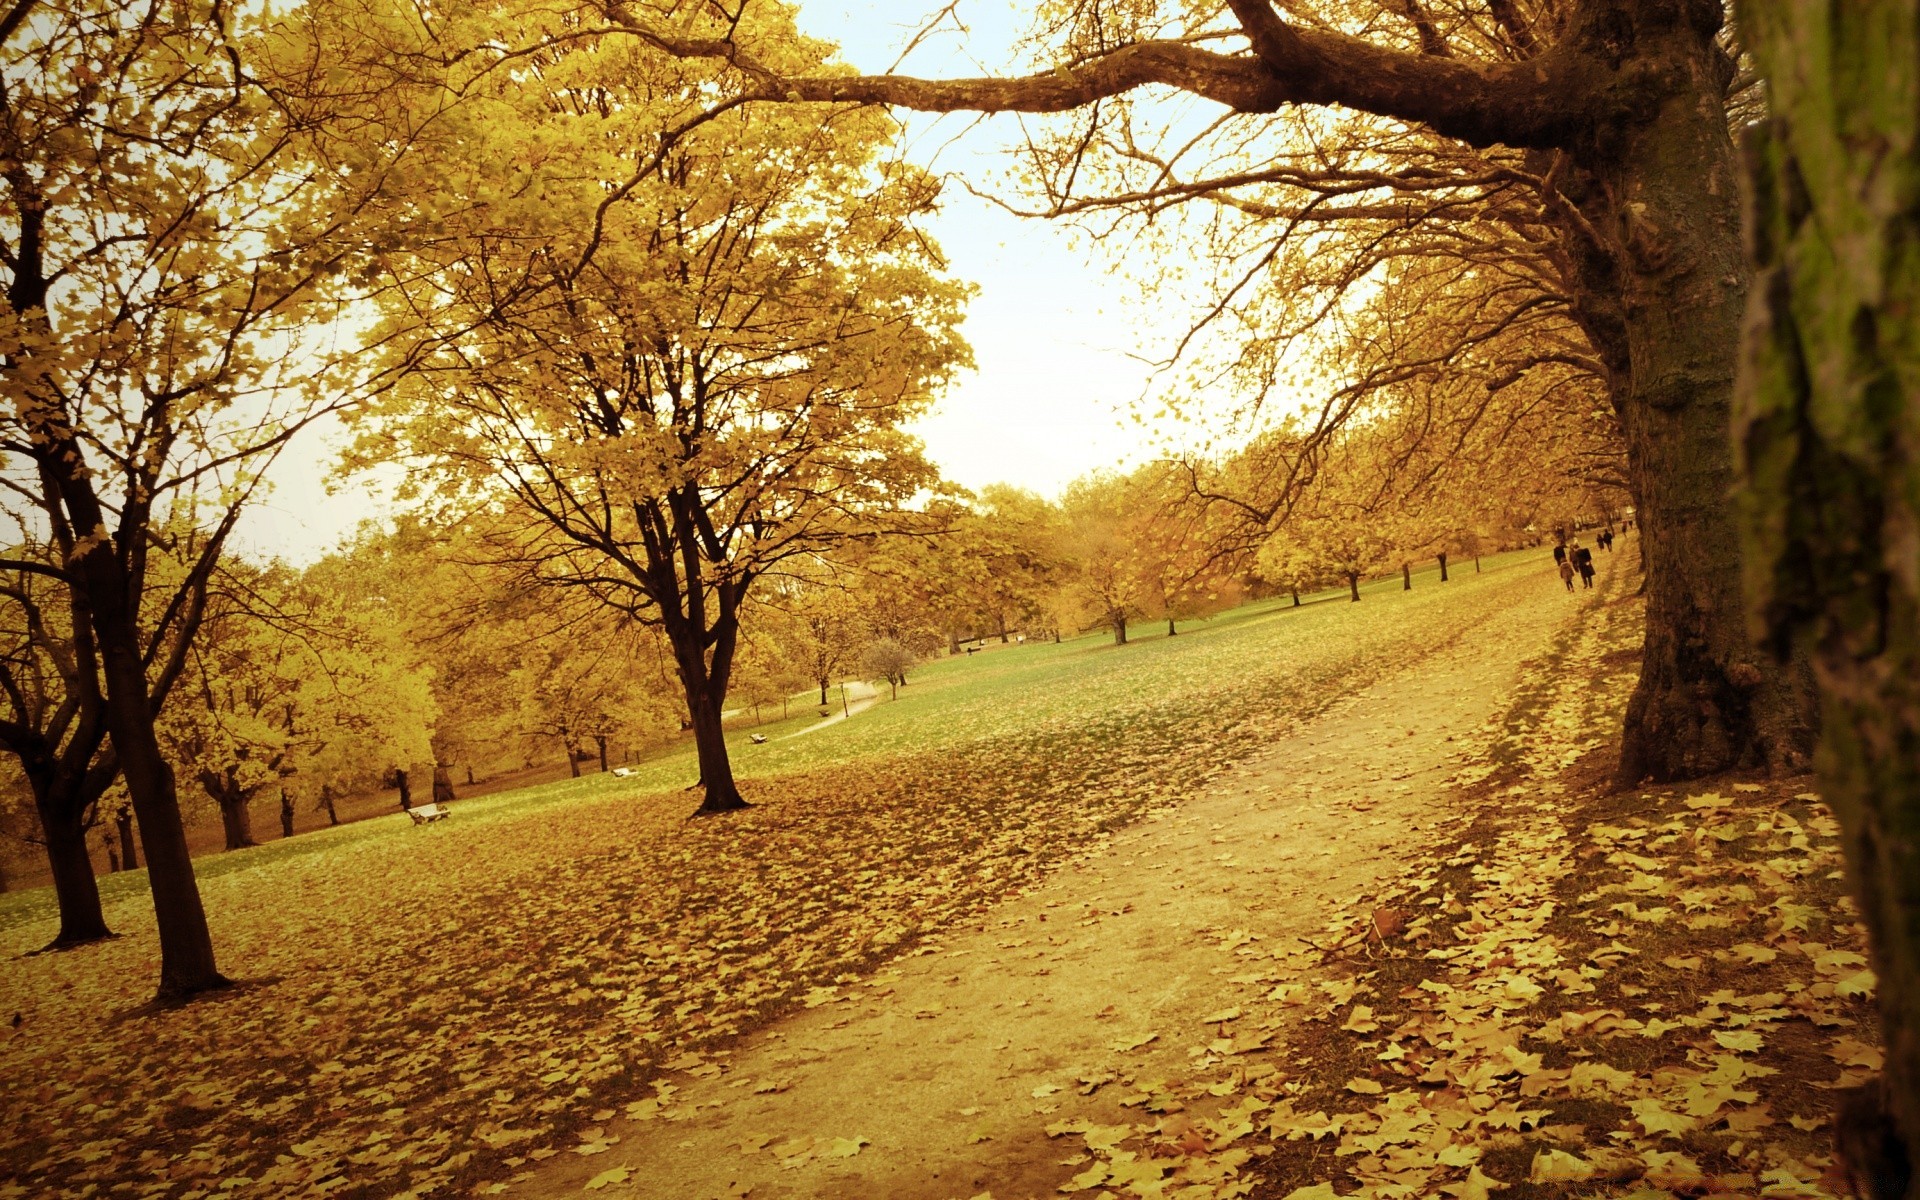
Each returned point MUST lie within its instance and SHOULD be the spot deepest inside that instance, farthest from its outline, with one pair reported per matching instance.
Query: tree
(584, 681)
(670, 380)
(1097, 545)
(887, 659)
(1001, 560)
(1620, 109)
(824, 630)
(55, 726)
(289, 681)
(170, 250)
(1182, 561)
(1830, 436)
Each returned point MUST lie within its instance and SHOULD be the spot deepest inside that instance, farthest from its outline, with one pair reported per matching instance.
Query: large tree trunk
(1830, 429)
(236, 812)
(1406, 577)
(123, 822)
(1662, 300)
(1170, 629)
(236, 822)
(710, 747)
(326, 802)
(704, 683)
(1353, 585)
(286, 814)
(74, 888)
(573, 758)
(187, 964)
(443, 779)
(600, 740)
(1443, 567)
(1119, 629)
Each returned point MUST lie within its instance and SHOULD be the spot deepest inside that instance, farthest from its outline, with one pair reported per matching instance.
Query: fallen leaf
(608, 1177)
(1557, 1166)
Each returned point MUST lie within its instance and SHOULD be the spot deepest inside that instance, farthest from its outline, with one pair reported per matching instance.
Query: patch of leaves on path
(1653, 995)
(434, 1011)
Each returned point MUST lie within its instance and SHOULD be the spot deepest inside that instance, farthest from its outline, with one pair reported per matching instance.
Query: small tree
(887, 659)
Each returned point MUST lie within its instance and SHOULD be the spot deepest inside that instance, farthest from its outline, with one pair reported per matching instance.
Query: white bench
(428, 813)
(622, 772)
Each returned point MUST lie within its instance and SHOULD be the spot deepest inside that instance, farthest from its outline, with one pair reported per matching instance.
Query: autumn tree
(1830, 435)
(1002, 557)
(1098, 548)
(55, 726)
(174, 234)
(885, 658)
(673, 377)
(295, 684)
(824, 627)
(1184, 564)
(584, 681)
(1618, 110)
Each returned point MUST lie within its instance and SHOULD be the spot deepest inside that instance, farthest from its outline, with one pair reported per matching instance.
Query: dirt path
(935, 1078)
(859, 698)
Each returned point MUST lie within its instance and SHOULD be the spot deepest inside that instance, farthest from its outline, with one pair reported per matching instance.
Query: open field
(1004, 691)
(422, 1006)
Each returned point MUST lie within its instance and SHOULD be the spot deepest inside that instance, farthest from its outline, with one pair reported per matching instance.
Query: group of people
(1575, 559)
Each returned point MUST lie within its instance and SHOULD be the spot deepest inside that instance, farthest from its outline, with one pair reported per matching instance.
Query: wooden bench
(427, 813)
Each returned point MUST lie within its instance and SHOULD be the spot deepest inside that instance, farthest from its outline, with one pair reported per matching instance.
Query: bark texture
(74, 887)
(1829, 427)
(1654, 214)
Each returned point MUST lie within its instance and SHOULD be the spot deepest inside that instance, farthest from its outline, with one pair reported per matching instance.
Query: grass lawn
(433, 1006)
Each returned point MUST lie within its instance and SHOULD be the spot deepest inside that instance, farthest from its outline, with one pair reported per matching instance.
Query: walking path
(935, 1078)
(860, 697)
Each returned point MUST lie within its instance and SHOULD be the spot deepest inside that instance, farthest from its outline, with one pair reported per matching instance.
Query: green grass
(959, 705)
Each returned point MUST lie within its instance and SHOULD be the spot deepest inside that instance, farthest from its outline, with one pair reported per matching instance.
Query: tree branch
(1542, 102)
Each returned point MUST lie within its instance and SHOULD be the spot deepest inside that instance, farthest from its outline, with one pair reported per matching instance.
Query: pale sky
(1054, 329)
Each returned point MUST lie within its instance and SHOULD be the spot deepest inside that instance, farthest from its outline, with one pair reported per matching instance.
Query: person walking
(1583, 563)
(1560, 553)
(1566, 572)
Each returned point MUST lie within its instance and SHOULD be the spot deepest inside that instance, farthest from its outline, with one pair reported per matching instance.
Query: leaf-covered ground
(429, 1010)
(1560, 992)
(1652, 995)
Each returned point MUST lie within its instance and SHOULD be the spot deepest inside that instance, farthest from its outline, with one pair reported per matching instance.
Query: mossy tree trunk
(1660, 285)
(1829, 428)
